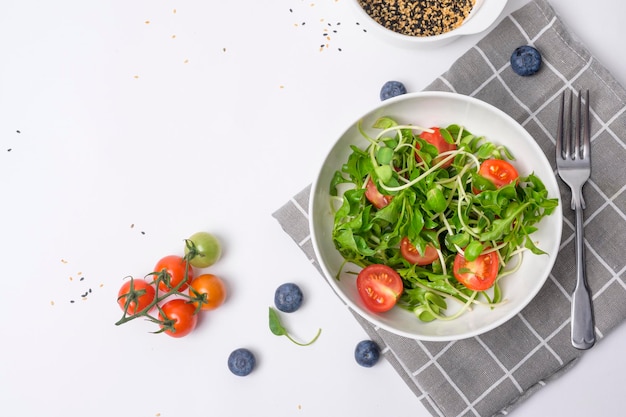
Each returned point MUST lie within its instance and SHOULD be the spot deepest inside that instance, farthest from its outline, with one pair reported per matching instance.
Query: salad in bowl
(436, 216)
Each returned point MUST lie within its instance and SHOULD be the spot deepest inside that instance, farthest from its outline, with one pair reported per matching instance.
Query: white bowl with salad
(436, 216)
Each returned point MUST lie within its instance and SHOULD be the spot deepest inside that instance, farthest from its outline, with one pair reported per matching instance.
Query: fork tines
(573, 134)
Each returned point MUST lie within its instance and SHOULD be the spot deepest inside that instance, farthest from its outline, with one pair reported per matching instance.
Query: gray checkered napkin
(490, 374)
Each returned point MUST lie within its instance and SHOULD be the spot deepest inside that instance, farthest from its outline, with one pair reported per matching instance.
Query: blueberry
(288, 297)
(241, 362)
(367, 353)
(525, 60)
(392, 89)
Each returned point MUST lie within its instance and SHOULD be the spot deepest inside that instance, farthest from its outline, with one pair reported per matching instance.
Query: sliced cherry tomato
(379, 287)
(412, 255)
(210, 285)
(140, 297)
(375, 197)
(436, 139)
(479, 274)
(498, 171)
(175, 266)
(179, 317)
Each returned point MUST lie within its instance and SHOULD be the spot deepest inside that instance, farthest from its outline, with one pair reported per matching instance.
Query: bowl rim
(483, 15)
(368, 316)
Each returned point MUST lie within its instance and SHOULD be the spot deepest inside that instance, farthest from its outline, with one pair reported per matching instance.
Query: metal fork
(573, 161)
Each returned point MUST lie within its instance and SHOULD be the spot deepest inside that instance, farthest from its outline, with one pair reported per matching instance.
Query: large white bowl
(482, 16)
(480, 118)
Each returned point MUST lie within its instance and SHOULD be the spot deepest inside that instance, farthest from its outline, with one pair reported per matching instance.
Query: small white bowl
(482, 16)
(480, 118)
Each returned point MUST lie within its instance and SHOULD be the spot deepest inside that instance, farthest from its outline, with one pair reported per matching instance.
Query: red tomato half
(498, 171)
(479, 274)
(375, 197)
(143, 294)
(181, 314)
(436, 139)
(379, 287)
(412, 255)
(175, 267)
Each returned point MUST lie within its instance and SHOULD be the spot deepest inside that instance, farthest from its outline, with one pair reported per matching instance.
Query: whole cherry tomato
(175, 266)
(179, 317)
(202, 249)
(135, 295)
(210, 287)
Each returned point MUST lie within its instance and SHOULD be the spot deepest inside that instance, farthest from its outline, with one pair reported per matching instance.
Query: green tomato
(202, 250)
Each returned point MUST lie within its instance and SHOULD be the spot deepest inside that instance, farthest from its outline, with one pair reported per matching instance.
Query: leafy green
(453, 208)
(278, 329)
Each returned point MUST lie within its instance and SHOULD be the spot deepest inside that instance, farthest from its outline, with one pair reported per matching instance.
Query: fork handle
(583, 333)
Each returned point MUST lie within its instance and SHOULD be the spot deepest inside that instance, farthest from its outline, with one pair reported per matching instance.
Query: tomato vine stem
(161, 277)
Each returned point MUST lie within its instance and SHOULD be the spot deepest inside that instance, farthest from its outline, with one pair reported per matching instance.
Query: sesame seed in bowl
(427, 23)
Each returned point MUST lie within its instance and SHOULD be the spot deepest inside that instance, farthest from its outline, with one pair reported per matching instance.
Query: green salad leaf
(455, 209)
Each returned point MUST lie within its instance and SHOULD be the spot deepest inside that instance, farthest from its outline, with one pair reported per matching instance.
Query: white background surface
(127, 126)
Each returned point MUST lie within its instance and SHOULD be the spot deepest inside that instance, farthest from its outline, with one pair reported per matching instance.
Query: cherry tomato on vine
(175, 267)
(412, 255)
(140, 297)
(498, 171)
(202, 249)
(437, 140)
(179, 318)
(210, 285)
(379, 287)
(479, 274)
(375, 197)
